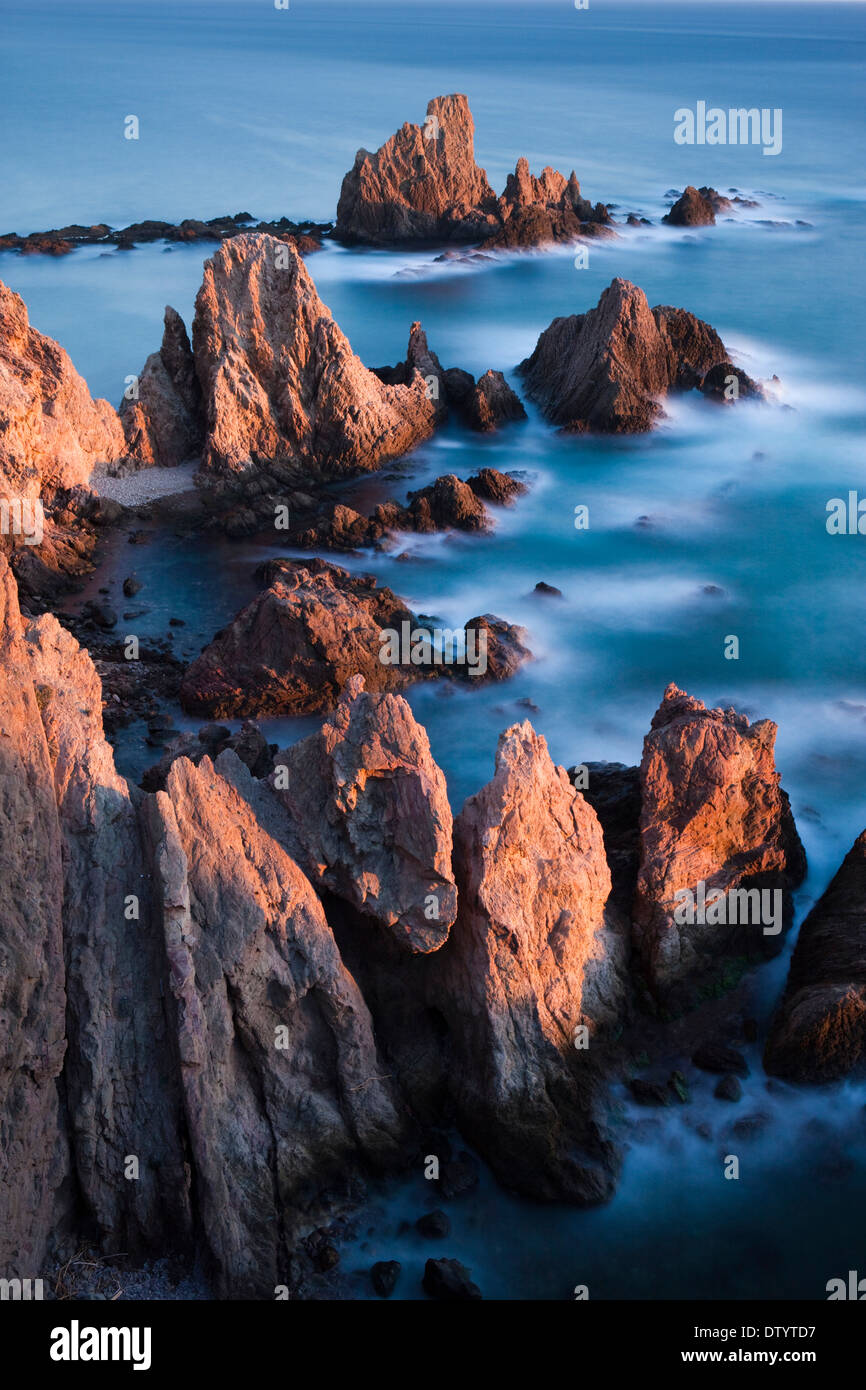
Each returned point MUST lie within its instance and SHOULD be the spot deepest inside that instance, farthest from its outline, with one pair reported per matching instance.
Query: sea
(712, 527)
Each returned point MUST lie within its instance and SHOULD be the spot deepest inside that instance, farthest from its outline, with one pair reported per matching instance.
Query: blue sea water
(712, 526)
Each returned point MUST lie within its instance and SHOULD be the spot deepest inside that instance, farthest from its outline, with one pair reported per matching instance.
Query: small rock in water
(728, 1088)
(458, 1175)
(384, 1276)
(131, 585)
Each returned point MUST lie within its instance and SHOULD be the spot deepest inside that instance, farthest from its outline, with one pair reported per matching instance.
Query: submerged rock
(819, 1031)
(529, 963)
(604, 371)
(714, 823)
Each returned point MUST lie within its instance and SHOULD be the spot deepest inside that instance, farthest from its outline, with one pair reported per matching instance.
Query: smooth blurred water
(713, 525)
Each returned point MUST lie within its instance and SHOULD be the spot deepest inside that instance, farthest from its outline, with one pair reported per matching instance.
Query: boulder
(530, 963)
(281, 386)
(282, 1085)
(367, 816)
(292, 650)
(490, 403)
(536, 211)
(164, 423)
(605, 371)
(819, 1030)
(712, 813)
(120, 1085)
(697, 207)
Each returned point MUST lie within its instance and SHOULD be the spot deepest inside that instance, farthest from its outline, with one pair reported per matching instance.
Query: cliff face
(423, 185)
(819, 1032)
(712, 813)
(607, 370)
(280, 384)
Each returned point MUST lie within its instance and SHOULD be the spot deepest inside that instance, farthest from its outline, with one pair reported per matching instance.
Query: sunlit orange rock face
(280, 383)
(530, 961)
(53, 432)
(712, 811)
(423, 185)
(163, 421)
(819, 1032)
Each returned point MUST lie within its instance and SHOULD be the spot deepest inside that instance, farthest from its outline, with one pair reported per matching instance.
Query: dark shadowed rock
(280, 383)
(490, 403)
(819, 1031)
(367, 815)
(384, 1276)
(164, 423)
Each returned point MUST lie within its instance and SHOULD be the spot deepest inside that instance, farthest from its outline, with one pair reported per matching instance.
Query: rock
(649, 1092)
(384, 1276)
(613, 791)
(493, 486)
(449, 1280)
(448, 502)
(491, 403)
(423, 185)
(367, 812)
(281, 1079)
(419, 358)
(34, 1162)
(120, 1084)
(547, 590)
(293, 649)
(603, 371)
(712, 814)
(164, 424)
(716, 1057)
(102, 614)
(728, 1088)
(433, 1225)
(281, 385)
(537, 211)
(54, 433)
(249, 744)
(529, 961)
(132, 586)
(818, 1033)
(697, 207)
(459, 1175)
